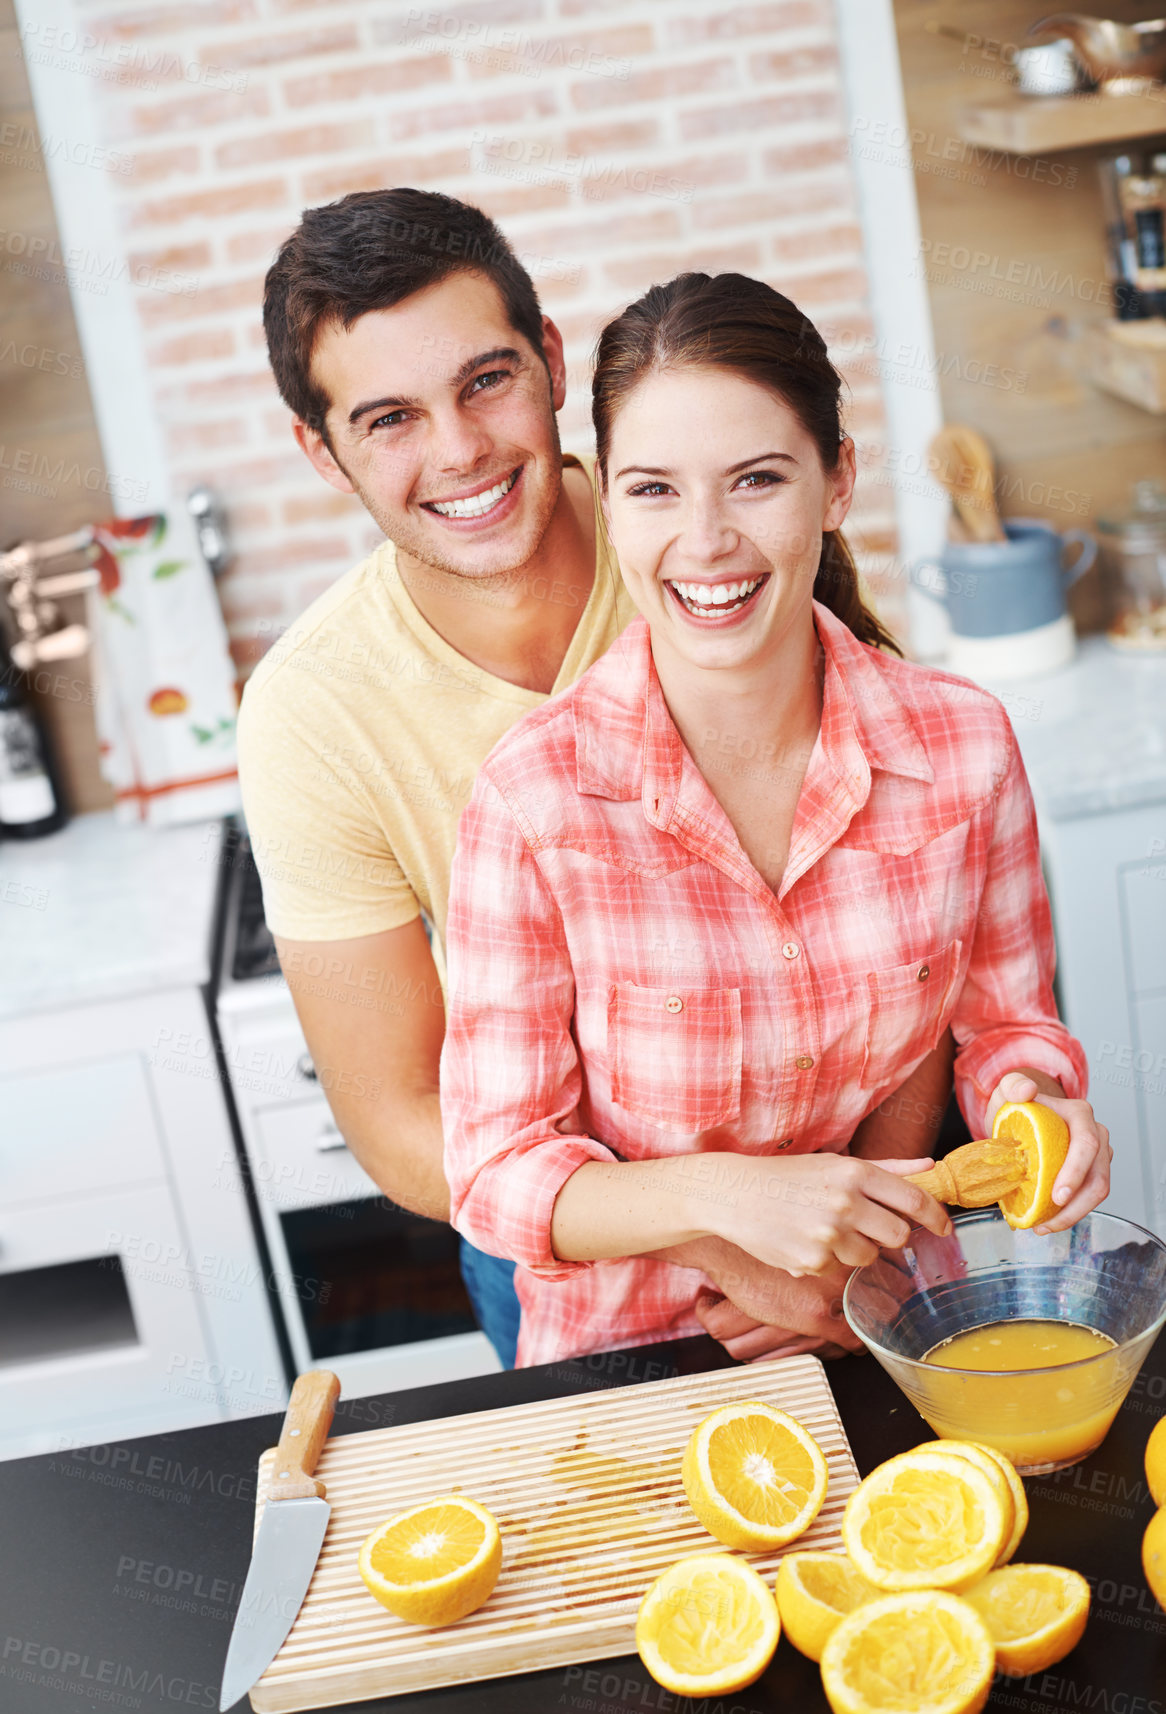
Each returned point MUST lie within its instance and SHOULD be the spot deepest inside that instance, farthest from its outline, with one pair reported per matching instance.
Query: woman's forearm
(628, 1208)
(801, 1213)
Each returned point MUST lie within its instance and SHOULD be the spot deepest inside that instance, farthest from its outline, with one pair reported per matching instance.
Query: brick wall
(616, 141)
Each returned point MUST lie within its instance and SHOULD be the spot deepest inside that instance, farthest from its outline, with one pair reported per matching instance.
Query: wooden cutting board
(586, 1490)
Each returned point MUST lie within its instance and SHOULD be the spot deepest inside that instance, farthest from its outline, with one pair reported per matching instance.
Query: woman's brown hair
(732, 322)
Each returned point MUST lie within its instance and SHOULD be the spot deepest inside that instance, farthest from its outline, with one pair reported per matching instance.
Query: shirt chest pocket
(675, 1054)
(908, 1009)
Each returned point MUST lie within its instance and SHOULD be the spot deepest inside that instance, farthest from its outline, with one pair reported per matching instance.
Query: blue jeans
(490, 1283)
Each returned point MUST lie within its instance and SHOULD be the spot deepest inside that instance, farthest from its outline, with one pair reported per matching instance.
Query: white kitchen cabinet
(1103, 928)
(1149, 1049)
(138, 1292)
(1093, 738)
(85, 1127)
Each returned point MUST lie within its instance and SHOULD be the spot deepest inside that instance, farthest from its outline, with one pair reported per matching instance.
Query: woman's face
(716, 503)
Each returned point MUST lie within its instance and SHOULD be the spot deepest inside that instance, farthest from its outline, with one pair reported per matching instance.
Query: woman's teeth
(477, 503)
(724, 597)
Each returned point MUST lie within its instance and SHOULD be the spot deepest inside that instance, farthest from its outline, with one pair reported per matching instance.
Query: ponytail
(837, 587)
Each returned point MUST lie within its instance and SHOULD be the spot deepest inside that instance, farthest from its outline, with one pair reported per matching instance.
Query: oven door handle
(330, 1139)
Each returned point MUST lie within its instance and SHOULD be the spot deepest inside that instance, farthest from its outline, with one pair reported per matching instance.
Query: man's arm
(374, 1022)
(907, 1123)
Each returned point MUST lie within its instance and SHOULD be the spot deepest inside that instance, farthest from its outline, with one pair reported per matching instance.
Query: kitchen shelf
(1039, 124)
(1136, 373)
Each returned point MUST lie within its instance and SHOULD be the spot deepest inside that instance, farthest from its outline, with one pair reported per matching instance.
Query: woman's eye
(648, 488)
(761, 478)
(491, 378)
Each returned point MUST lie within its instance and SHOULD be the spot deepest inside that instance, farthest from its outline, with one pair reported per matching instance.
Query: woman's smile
(720, 604)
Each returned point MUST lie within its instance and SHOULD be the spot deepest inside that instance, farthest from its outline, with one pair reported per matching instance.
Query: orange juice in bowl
(1028, 1343)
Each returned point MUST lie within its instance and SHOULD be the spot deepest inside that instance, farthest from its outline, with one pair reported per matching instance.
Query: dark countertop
(122, 1565)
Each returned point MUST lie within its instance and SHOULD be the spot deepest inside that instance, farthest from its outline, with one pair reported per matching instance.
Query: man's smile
(486, 500)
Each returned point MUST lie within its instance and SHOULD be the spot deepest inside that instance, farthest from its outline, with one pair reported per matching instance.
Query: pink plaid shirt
(623, 984)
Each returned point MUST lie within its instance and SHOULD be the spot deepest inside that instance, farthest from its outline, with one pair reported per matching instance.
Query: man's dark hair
(371, 250)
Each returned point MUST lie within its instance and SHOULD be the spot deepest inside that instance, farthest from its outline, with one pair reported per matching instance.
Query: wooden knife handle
(305, 1429)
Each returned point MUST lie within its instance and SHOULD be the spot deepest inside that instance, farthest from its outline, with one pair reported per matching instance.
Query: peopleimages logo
(22, 466)
(90, 267)
(120, 61)
(22, 146)
(538, 163)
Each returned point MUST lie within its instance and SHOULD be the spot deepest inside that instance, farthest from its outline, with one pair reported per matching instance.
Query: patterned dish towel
(164, 679)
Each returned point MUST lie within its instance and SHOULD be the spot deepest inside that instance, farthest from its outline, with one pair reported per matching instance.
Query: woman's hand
(1083, 1181)
(807, 1213)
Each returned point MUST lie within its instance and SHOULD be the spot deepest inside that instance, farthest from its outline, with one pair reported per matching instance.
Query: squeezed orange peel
(1015, 1167)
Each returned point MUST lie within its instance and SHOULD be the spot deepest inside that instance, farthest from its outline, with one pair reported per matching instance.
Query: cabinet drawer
(270, 1067)
(80, 1129)
(110, 1321)
(303, 1161)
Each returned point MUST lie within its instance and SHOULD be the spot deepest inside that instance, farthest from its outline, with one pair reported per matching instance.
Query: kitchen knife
(291, 1533)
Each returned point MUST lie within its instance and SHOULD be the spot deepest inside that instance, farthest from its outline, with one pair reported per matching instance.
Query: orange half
(753, 1475)
(434, 1564)
(1043, 1136)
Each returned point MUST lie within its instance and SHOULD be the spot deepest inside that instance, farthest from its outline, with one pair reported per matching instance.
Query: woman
(714, 902)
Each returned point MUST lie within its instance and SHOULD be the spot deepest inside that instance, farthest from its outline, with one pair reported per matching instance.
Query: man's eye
(762, 478)
(389, 420)
(491, 378)
(648, 488)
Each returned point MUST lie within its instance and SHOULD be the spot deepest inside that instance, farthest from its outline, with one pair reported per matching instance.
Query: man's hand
(1083, 1181)
(751, 1341)
(767, 1313)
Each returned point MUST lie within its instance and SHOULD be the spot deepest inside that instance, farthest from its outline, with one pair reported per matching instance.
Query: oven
(363, 1287)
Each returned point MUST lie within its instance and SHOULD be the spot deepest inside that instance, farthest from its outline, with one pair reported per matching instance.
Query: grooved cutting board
(586, 1490)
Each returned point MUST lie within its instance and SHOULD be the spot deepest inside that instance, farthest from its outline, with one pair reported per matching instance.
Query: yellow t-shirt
(360, 734)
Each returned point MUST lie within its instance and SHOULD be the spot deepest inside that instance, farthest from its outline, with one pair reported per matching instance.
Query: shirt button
(924, 972)
(786, 1144)
(674, 1003)
(790, 949)
(804, 1061)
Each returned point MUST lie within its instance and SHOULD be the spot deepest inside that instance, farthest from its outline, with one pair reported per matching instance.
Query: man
(408, 342)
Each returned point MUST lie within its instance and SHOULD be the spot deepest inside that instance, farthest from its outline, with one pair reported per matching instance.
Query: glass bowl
(1104, 1272)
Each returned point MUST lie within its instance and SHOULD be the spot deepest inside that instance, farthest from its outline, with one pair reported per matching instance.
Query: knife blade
(291, 1533)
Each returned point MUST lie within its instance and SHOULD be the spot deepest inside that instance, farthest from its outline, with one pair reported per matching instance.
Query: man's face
(442, 420)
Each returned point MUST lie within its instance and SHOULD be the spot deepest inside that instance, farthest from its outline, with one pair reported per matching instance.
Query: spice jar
(1133, 549)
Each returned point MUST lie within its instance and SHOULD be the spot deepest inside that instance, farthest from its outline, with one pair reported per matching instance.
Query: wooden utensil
(961, 461)
(587, 1493)
(976, 1175)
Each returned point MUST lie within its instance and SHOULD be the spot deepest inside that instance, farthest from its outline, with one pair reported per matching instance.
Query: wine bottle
(30, 798)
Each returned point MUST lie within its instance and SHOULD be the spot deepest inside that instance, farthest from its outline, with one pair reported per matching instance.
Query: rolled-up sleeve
(510, 1077)
(1006, 1015)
